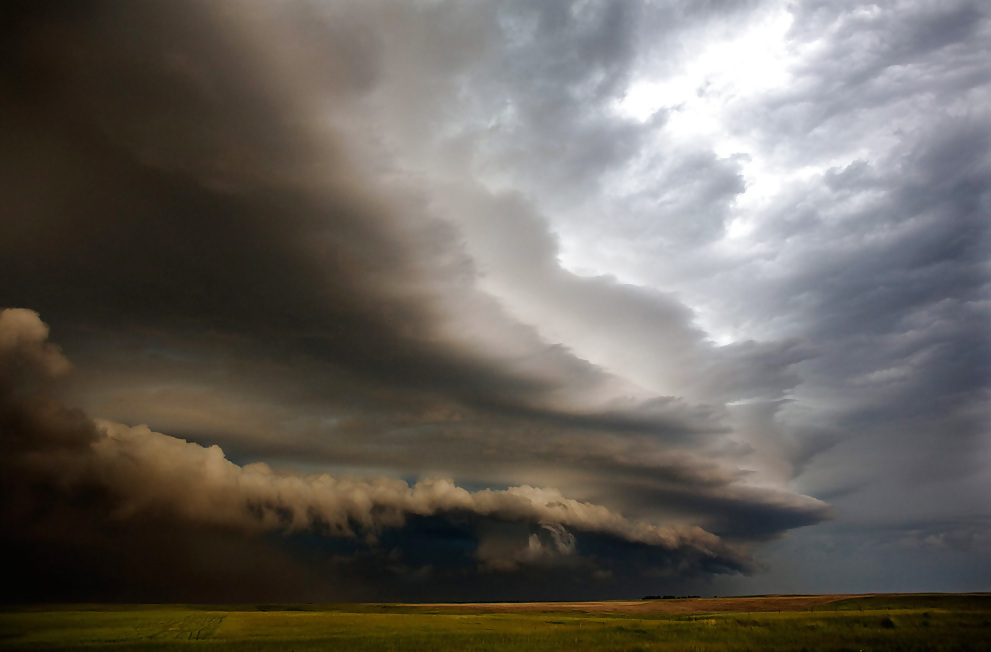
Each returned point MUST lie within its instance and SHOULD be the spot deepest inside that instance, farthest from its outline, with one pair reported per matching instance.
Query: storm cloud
(54, 455)
(616, 294)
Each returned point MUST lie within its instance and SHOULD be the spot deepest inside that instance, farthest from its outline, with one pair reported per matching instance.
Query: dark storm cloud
(336, 238)
(205, 196)
(61, 468)
(188, 204)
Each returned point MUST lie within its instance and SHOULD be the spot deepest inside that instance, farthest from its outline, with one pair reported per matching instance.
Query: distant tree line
(669, 597)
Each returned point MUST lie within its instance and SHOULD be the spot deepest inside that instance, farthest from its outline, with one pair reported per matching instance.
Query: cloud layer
(54, 455)
(684, 264)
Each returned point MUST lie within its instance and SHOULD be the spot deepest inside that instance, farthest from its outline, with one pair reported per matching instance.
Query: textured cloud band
(53, 454)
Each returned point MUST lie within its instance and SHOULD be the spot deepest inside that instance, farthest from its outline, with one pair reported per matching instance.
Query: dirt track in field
(646, 607)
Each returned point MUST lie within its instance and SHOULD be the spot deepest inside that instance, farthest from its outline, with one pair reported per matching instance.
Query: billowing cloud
(52, 455)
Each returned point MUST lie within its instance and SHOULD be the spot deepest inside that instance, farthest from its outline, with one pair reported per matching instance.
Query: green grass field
(912, 622)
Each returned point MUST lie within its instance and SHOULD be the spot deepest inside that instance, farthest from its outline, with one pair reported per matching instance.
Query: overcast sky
(319, 300)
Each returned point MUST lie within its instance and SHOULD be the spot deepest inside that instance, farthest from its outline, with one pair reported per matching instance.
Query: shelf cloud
(492, 301)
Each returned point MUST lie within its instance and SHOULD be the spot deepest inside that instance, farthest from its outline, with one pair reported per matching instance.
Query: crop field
(882, 622)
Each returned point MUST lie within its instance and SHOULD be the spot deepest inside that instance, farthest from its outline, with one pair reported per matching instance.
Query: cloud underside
(69, 480)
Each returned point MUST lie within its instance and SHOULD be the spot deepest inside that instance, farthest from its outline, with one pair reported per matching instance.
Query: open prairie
(871, 622)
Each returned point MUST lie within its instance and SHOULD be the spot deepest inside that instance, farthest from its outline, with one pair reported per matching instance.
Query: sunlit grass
(878, 623)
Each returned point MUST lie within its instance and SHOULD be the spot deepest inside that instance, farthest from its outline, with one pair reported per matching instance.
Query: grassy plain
(877, 622)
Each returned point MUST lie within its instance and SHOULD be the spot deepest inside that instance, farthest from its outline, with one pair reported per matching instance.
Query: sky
(319, 300)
